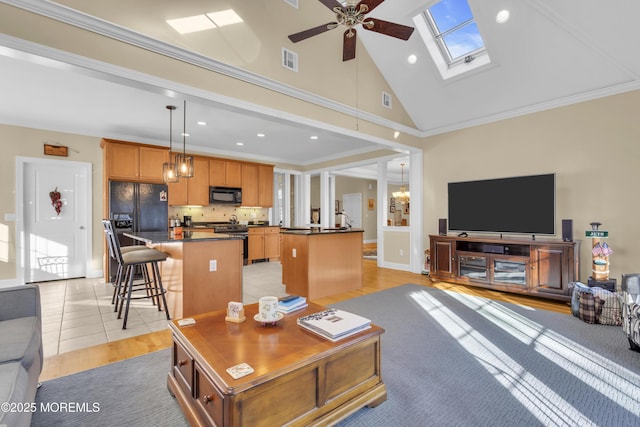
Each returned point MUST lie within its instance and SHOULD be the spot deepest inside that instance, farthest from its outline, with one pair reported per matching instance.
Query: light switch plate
(213, 265)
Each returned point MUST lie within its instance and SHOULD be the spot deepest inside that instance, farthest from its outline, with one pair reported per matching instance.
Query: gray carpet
(447, 359)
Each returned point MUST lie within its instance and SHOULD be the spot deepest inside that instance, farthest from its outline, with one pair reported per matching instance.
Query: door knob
(82, 227)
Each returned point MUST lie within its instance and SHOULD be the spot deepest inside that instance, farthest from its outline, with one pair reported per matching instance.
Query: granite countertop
(187, 236)
(320, 231)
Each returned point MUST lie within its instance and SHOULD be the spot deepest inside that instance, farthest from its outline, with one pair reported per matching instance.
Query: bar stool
(117, 281)
(129, 261)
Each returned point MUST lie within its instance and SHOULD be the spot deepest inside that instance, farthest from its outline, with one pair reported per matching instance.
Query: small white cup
(268, 309)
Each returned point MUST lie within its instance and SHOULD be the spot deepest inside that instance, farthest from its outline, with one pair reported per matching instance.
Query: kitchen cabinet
(194, 190)
(133, 162)
(225, 173)
(257, 185)
(264, 243)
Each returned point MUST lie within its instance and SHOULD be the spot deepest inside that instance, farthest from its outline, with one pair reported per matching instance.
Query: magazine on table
(334, 324)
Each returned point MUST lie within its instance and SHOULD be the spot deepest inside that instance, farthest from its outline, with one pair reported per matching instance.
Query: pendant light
(169, 172)
(402, 196)
(184, 163)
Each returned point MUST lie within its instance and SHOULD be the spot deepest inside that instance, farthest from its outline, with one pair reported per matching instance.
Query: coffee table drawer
(182, 367)
(209, 400)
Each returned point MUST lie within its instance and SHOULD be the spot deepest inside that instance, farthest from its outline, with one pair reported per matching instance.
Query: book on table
(334, 324)
(292, 303)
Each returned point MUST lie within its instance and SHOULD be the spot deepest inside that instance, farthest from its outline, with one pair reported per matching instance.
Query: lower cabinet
(540, 268)
(264, 243)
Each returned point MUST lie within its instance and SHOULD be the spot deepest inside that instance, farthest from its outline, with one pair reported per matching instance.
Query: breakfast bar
(320, 262)
(203, 271)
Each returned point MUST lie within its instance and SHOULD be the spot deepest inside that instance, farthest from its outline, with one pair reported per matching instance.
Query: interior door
(353, 208)
(55, 243)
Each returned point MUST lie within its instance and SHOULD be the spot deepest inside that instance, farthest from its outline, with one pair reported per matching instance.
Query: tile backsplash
(219, 213)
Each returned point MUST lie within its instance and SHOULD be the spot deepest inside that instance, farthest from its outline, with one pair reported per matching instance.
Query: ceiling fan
(350, 15)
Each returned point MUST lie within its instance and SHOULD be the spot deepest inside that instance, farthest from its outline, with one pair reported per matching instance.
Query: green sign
(596, 233)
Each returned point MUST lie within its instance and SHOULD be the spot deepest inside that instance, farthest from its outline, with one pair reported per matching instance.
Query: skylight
(192, 24)
(452, 37)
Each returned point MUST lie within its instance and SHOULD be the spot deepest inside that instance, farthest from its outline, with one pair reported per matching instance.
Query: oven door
(245, 243)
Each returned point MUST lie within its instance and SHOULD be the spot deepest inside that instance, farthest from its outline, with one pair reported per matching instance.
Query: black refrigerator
(136, 207)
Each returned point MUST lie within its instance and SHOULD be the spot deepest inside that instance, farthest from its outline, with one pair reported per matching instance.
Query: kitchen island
(203, 271)
(320, 262)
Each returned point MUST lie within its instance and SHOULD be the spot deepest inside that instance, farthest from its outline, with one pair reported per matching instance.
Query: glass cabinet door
(510, 271)
(472, 266)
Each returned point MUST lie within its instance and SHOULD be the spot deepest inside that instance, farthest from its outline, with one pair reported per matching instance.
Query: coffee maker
(187, 221)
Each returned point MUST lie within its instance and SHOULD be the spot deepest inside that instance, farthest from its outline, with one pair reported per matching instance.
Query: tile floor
(78, 313)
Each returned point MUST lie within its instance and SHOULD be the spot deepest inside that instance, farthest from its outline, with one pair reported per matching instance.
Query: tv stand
(542, 268)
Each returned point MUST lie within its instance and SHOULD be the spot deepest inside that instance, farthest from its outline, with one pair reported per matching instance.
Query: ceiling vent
(289, 59)
(293, 3)
(386, 100)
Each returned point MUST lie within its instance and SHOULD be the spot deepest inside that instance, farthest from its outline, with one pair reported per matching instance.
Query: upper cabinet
(133, 162)
(194, 190)
(225, 173)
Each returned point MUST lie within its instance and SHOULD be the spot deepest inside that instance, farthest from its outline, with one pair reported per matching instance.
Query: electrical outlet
(401, 252)
(293, 252)
(213, 265)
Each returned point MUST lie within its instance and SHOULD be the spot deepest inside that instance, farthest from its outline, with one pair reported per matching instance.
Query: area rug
(448, 359)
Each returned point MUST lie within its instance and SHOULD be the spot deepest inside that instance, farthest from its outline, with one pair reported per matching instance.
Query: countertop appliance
(187, 221)
(136, 207)
(225, 195)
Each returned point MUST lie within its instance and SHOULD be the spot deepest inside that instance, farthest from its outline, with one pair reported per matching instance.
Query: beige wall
(396, 247)
(593, 148)
(17, 141)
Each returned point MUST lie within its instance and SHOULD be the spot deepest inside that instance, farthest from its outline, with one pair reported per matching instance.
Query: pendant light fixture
(169, 172)
(184, 163)
(402, 196)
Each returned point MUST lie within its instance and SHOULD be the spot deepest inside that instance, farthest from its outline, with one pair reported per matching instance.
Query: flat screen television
(523, 204)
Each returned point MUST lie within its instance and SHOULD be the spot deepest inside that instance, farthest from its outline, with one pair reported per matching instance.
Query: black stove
(230, 228)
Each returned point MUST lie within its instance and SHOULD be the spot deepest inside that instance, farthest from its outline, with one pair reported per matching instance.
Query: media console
(534, 267)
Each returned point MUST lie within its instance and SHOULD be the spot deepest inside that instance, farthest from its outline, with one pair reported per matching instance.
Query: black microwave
(225, 195)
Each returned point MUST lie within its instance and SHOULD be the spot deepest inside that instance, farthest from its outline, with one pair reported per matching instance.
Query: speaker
(442, 226)
(567, 230)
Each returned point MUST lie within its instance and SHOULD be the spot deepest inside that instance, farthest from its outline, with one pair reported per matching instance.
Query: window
(452, 36)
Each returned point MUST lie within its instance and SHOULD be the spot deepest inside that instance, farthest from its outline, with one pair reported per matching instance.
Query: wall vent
(289, 59)
(386, 100)
(293, 3)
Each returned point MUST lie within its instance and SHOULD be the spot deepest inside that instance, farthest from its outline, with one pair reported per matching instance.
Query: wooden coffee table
(299, 378)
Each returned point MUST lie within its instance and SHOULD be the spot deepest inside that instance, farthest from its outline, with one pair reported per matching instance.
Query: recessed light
(239, 143)
(313, 137)
(502, 16)
(201, 123)
(412, 59)
(184, 134)
(260, 135)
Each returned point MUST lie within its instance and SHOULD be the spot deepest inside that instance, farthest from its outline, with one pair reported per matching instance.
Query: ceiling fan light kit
(350, 15)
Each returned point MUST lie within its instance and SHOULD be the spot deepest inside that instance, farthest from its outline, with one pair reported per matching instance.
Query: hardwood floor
(375, 280)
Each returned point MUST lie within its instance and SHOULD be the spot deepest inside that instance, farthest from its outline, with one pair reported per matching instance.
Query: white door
(55, 243)
(353, 208)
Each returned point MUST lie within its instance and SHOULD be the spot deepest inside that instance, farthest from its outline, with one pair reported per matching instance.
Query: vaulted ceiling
(548, 54)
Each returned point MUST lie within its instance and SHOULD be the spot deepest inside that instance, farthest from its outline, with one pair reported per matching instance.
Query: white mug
(268, 309)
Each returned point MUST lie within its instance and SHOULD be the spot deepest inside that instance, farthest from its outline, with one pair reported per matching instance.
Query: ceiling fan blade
(332, 3)
(389, 28)
(312, 32)
(371, 4)
(349, 45)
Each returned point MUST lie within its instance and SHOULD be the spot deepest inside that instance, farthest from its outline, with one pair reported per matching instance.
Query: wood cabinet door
(233, 173)
(550, 270)
(217, 172)
(256, 244)
(178, 193)
(442, 258)
(151, 161)
(124, 161)
(272, 242)
(198, 185)
(249, 184)
(265, 186)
